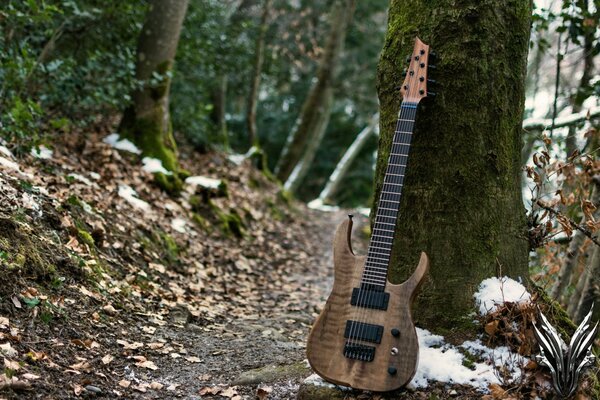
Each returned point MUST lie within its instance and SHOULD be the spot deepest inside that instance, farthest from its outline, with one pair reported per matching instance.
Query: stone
(273, 373)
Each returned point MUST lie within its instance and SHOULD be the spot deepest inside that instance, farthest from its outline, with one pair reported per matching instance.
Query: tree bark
(255, 86)
(462, 194)
(317, 106)
(147, 121)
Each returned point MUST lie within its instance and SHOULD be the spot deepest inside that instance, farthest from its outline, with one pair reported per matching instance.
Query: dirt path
(236, 345)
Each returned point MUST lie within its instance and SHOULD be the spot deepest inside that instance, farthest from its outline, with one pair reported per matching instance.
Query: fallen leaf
(30, 377)
(156, 385)
(193, 359)
(263, 392)
(124, 383)
(209, 390)
(172, 387)
(156, 345)
(4, 322)
(229, 392)
(81, 366)
(130, 346)
(107, 359)
(14, 365)
(149, 329)
(77, 389)
(147, 364)
(7, 350)
(16, 302)
(109, 309)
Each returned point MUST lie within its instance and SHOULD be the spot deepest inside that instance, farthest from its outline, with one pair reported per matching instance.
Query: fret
(373, 268)
(385, 223)
(376, 241)
(379, 248)
(397, 165)
(375, 262)
(375, 274)
(371, 256)
(392, 183)
(390, 173)
(385, 208)
(382, 229)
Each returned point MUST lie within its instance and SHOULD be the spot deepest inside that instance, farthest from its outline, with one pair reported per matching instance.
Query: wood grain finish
(326, 340)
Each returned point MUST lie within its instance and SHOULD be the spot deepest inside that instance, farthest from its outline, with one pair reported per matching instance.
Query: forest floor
(110, 288)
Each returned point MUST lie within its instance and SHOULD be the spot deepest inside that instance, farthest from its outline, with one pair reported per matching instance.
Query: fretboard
(380, 247)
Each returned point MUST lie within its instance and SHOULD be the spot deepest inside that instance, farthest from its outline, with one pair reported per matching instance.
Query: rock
(273, 373)
(315, 388)
(93, 389)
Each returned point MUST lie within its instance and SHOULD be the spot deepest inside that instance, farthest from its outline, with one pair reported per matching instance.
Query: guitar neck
(380, 247)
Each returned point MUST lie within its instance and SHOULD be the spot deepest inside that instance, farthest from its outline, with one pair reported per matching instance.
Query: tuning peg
(432, 66)
(431, 94)
(405, 72)
(432, 81)
(432, 55)
(408, 58)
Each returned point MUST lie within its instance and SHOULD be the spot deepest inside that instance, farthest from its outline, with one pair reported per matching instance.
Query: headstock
(414, 87)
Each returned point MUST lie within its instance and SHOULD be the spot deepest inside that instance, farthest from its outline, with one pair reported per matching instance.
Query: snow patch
(127, 192)
(95, 176)
(178, 224)
(30, 203)
(316, 380)
(493, 292)
(237, 159)
(4, 150)
(444, 363)
(154, 165)
(203, 181)
(42, 152)
(317, 204)
(123, 144)
(81, 179)
(5, 162)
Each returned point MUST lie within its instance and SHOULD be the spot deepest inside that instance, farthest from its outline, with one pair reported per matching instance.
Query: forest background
(69, 67)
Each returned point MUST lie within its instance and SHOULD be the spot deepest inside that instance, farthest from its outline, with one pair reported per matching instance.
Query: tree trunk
(317, 108)
(584, 82)
(462, 195)
(147, 121)
(346, 161)
(258, 63)
(218, 97)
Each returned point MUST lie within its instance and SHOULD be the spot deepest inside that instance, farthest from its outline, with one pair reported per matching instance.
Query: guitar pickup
(363, 331)
(370, 299)
(359, 352)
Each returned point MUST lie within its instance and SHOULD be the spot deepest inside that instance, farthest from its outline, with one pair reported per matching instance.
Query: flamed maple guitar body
(365, 337)
(326, 342)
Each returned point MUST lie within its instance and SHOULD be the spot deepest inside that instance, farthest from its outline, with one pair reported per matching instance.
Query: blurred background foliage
(69, 64)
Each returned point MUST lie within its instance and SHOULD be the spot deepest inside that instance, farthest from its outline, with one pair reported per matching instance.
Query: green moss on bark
(461, 201)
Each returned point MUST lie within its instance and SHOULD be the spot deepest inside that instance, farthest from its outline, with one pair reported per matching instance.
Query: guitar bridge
(359, 352)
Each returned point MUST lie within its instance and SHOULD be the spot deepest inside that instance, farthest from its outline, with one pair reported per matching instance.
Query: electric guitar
(365, 337)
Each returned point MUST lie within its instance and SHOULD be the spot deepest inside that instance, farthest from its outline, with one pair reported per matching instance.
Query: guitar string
(371, 275)
(400, 132)
(402, 136)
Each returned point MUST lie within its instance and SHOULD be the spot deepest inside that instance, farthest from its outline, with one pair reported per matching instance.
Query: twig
(577, 226)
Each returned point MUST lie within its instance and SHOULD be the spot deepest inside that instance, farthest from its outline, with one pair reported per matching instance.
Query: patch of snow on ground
(444, 363)
(203, 181)
(237, 159)
(493, 292)
(95, 176)
(123, 144)
(317, 204)
(154, 165)
(178, 224)
(127, 192)
(4, 150)
(5, 162)
(42, 152)
(316, 380)
(30, 203)
(81, 179)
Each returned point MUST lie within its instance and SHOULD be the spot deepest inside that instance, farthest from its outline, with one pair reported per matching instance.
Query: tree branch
(577, 226)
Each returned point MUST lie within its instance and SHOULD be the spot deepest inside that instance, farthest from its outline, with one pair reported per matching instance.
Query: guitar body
(326, 343)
